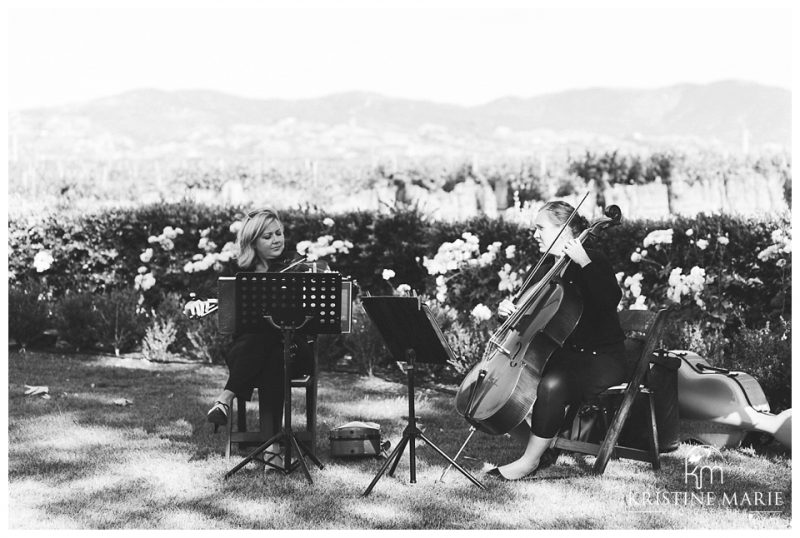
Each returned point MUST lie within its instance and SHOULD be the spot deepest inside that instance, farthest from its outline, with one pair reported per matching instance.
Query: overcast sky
(462, 56)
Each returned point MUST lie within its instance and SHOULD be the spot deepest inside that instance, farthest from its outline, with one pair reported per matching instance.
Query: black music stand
(411, 334)
(289, 302)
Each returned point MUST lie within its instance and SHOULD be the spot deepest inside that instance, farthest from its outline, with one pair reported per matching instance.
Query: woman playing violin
(592, 357)
(258, 356)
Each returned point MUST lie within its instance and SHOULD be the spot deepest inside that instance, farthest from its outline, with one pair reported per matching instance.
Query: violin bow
(295, 264)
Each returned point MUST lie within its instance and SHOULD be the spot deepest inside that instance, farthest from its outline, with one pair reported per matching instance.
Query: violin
(498, 393)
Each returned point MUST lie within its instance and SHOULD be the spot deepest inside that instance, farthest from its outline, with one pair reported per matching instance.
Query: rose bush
(723, 274)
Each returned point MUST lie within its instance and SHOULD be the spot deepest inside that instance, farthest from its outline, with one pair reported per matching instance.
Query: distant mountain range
(146, 124)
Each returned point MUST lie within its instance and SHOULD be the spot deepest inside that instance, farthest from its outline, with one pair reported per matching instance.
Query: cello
(498, 393)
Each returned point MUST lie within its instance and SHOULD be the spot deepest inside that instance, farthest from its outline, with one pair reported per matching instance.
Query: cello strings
(559, 267)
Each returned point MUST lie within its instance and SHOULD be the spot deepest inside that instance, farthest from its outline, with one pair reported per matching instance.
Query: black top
(599, 325)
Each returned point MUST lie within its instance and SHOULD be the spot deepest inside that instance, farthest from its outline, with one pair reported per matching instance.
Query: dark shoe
(548, 458)
(495, 473)
(218, 414)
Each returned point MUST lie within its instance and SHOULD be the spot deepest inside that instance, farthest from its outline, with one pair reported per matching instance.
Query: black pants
(256, 360)
(569, 377)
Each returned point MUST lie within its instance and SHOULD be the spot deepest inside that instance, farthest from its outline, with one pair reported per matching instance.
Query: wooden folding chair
(266, 429)
(643, 329)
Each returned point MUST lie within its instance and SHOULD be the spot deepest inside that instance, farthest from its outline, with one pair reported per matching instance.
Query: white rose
(481, 312)
(328, 222)
(43, 261)
(144, 282)
(658, 237)
(675, 277)
(702, 244)
(723, 240)
(146, 256)
(388, 274)
(148, 281)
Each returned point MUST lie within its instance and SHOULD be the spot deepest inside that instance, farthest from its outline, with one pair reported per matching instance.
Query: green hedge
(99, 254)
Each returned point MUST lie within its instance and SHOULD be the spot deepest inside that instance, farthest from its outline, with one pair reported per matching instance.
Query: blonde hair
(254, 225)
(559, 212)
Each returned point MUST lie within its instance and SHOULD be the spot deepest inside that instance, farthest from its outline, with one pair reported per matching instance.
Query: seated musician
(593, 356)
(260, 244)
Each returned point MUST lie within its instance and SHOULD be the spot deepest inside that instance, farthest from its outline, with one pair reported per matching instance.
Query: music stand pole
(410, 435)
(286, 433)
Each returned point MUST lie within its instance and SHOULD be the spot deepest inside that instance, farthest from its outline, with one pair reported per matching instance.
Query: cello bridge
(504, 351)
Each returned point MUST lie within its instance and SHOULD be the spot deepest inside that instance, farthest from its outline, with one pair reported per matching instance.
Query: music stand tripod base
(407, 326)
(286, 434)
(298, 295)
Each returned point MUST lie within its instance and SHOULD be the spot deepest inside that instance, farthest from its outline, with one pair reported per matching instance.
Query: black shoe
(548, 458)
(495, 473)
(218, 414)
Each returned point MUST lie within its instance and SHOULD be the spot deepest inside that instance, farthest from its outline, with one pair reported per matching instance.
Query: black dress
(593, 356)
(256, 359)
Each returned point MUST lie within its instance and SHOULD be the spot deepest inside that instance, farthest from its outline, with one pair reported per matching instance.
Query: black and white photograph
(403, 265)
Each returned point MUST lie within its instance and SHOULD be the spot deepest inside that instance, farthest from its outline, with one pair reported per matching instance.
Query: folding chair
(644, 330)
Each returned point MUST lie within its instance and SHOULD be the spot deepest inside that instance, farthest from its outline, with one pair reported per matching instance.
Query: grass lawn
(78, 460)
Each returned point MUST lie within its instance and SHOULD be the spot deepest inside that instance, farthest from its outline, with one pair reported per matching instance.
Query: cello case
(719, 406)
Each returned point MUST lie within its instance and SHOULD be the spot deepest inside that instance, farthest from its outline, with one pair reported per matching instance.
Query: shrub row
(89, 269)
(102, 251)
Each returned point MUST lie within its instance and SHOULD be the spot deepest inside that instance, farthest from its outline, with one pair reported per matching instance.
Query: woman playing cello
(592, 357)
